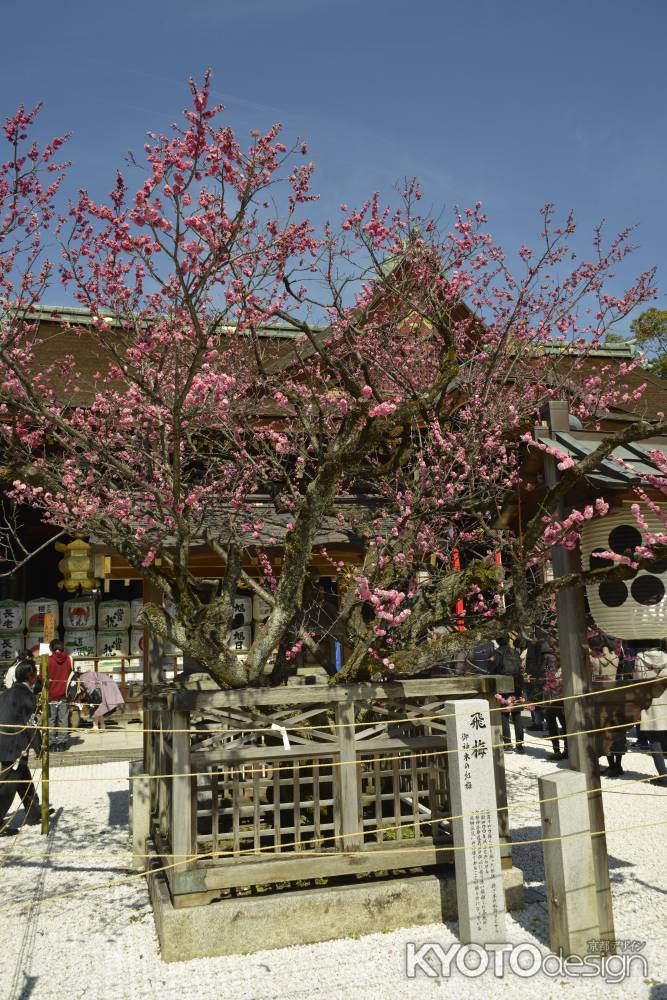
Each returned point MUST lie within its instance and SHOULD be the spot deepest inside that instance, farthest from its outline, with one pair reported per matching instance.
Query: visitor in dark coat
(18, 734)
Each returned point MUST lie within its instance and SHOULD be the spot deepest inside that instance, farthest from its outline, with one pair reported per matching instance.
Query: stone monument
(479, 883)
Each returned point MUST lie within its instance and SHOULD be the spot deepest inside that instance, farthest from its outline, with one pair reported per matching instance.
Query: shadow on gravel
(28, 987)
(530, 858)
(119, 808)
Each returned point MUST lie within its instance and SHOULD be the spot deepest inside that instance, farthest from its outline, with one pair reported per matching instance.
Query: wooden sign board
(49, 628)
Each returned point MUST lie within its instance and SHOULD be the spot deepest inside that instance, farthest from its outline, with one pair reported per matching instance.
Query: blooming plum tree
(397, 415)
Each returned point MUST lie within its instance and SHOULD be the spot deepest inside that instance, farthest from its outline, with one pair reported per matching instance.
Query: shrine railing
(276, 785)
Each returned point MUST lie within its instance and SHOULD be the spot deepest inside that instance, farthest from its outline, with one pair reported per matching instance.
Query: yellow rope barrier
(320, 749)
(369, 831)
(112, 883)
(374, 722)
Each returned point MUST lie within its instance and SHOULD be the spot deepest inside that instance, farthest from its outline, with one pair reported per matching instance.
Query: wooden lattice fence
(278, 785)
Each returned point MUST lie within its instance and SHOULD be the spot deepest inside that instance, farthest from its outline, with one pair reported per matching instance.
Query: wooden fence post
(140, 813)
(183, 804)
(348, 818)
(46, 736)
(163, 765)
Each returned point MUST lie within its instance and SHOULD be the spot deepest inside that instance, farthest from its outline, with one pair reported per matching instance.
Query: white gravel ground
(102, 944)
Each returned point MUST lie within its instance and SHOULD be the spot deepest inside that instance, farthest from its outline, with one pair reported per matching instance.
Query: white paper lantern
(113, 615)
(113, 643)
(635, 608)
(35, 611)
(136, 608)
(12, 616)
(81, 642)
(79, 613)
(241, 638)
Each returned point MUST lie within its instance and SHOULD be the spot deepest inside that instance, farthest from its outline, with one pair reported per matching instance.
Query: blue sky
(512, 102)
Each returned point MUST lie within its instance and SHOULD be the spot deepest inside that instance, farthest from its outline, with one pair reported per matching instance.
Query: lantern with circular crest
(634, 608)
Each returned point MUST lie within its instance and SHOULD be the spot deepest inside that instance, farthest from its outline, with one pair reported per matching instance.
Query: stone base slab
(249, 924)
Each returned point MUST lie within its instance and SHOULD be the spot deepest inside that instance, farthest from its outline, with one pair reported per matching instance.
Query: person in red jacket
(60, 667)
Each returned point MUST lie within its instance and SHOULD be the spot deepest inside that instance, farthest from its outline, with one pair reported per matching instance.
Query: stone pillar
(569, 868)
(479, 883)
(583, 750)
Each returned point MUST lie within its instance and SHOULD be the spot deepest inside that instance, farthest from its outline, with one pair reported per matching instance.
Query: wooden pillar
(163, 765)
(183, 802)
(140, 814)
(152, 668)
(348, 817)
(583, 750)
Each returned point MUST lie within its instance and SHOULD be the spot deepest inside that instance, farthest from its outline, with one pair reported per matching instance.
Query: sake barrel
(35, 611)
(241, 638)
(136, 608)
(81, 642)
(136, 641)
(242, 610)
(79, 613)
(11, 644)
(113, 616)
(113, 643)
(12, 616)
(33, 639)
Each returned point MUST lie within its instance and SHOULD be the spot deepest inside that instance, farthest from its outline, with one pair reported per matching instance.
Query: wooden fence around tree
(350, 780)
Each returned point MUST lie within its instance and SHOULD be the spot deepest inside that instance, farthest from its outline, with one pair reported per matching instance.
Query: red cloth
(60, 667)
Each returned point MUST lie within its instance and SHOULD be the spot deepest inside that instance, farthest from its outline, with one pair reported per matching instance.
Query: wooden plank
(347, 805)
(185, 700)
(236, 812)
(313, 751)
(296, 805)
(415, 795)
(378, 800)
(317, 805)
(215, 810)
(163, 790)
(396, 805)
(276, 806)
(182, 805)
(268, 868)
(255, 804)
